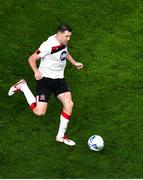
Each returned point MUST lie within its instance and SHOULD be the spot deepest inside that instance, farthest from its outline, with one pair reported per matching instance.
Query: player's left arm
(78, 65)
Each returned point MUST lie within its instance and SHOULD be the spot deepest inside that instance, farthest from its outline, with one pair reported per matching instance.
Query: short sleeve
(44, 50)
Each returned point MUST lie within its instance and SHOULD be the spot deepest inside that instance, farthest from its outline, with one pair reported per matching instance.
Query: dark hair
(63, 28)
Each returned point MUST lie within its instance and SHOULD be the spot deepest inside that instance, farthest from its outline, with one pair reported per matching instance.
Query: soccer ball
(95, 143)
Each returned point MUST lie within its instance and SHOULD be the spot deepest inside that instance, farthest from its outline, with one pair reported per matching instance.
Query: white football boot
(65, 140)
(16, 87)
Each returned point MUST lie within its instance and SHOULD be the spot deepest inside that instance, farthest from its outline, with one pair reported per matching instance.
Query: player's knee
(40, 112)
(69, 105)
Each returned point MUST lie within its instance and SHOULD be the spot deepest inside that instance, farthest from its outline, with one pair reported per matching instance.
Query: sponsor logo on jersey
(63, 56)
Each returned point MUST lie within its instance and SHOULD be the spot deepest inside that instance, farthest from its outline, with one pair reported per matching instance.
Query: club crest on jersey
(42, 97)
(63, 56)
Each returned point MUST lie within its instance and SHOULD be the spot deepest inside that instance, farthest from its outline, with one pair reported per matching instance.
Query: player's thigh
(65, 98)
(41, 108)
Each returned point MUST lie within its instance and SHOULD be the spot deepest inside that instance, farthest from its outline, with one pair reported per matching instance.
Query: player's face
(65, 37)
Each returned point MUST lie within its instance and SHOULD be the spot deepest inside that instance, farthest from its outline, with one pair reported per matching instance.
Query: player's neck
(58, 39)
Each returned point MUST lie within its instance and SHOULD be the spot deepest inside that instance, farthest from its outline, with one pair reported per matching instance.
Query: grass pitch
(108, 92)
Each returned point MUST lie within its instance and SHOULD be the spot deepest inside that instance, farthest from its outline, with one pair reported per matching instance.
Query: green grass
(107, 93)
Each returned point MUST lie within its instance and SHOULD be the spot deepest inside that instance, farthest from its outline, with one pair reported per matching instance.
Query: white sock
(64, 120)
(28, 94)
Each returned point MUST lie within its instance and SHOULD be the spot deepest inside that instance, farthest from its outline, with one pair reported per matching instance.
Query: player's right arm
(41, 52)
(32, 61)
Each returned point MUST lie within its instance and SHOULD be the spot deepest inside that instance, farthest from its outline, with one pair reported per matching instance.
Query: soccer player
(50, 79)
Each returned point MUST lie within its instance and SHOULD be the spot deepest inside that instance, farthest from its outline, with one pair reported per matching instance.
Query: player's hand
(78, 65)
(38, 75)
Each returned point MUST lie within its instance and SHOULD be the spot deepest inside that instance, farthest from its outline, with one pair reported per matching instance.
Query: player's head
(64, 27)
(64, 33)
